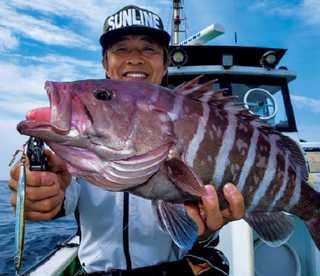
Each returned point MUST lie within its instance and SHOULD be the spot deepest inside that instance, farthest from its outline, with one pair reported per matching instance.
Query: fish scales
(275, 185)
(209, 145)
(293, 180)
(267, 176)
(163, 145)
(281, 187)
(202, 149)
(239, 153)
(236, 154)
(249, 161)
(256, 172)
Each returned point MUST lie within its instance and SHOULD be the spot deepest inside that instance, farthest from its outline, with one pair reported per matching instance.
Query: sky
(59, 41)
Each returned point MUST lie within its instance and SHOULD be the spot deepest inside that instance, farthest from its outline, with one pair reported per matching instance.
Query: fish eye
(103, 94)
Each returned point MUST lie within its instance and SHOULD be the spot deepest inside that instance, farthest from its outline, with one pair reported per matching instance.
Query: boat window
(264, 96)
(263, 100)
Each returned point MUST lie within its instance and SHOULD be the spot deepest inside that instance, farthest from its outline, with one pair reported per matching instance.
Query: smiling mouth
(136, 75)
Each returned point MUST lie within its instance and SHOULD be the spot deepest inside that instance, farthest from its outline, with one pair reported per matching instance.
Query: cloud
(55, 60)
(277, 7)
(42, 30)
(309, 133)
(302, 102)
(311, 11)
(7, 40)
(79, 24)
(89, 12)
(306, 10)
(92, 12)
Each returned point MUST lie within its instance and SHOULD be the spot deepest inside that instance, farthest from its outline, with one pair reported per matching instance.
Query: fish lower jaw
(25, 127)
(38, 128)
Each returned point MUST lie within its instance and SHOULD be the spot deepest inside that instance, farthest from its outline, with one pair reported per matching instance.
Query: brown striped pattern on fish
(204, 160)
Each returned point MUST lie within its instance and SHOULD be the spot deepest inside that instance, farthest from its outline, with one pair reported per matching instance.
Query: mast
(178, 17)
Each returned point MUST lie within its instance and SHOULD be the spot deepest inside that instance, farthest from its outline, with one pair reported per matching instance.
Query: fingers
(214, 219)
(41, 207)
(38, 192)
(44, 190)
(236, 208)
(33, 178)
(15, 170)
(59, 167)
(58, 173)
(13, 184)
(36, 216)
(209, 217)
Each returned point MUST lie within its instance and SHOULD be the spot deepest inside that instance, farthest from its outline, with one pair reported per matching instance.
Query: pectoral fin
(185, 178)
(173, 219)
(274, 228)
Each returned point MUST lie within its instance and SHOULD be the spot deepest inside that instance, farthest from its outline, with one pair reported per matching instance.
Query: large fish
(163, 145)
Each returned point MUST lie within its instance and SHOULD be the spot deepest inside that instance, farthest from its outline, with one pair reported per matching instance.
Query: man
(118, 233)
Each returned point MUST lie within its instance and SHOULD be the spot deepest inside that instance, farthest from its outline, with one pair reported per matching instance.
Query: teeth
(136, 75)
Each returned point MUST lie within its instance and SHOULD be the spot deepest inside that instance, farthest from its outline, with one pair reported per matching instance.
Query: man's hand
(208, 216)
(44, 190)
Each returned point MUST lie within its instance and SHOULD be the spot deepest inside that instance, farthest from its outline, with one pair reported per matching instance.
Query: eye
(121, 49)
(103, 94)
(148, 48)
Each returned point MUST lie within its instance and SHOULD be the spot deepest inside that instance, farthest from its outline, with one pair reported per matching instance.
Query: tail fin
(314, 229)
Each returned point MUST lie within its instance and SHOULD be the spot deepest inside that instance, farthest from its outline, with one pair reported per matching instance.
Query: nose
(135, 58)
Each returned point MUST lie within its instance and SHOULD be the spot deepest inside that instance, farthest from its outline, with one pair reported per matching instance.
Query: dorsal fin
(188, 85)
(203, 93)
(296, 151)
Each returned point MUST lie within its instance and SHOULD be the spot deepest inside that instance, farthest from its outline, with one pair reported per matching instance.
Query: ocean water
(40, 238)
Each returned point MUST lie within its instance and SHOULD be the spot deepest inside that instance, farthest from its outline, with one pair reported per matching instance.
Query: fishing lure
(20, 212)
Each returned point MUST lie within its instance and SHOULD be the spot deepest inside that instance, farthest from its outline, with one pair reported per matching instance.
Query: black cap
(133, 20)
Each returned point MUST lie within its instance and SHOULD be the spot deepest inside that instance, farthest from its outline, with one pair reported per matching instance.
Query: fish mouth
(56, 118)
(54, 124)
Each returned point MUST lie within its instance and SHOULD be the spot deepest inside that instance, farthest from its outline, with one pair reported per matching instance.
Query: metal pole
(176, 22)
(235, 26)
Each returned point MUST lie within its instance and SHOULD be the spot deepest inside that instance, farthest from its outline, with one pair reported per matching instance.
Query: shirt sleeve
(204, 256)
(72, 194)
(212, 240)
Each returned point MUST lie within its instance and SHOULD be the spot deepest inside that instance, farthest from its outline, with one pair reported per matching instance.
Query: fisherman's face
(135, 57)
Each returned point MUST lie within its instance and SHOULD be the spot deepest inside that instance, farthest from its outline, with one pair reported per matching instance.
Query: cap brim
(108, 37)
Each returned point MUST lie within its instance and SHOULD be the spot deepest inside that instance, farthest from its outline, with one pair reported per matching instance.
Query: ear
(105, 65)
(165, 71)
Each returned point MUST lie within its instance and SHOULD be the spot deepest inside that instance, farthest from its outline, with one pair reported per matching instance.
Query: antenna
(178, 17)
(235, 26)
(205, 35)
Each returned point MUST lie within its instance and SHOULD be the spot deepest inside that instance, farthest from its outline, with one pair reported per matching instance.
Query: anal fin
(274, 228)
(173, 219)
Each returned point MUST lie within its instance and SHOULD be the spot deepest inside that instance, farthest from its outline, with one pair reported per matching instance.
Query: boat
(251, 73)
(62, 261)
